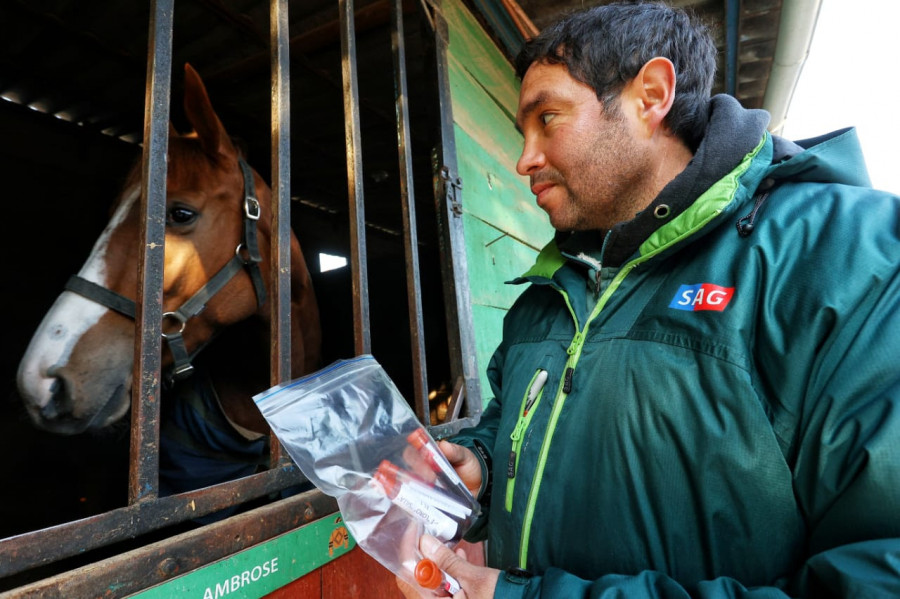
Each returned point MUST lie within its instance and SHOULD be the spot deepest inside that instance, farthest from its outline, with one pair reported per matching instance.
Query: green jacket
(723, 418)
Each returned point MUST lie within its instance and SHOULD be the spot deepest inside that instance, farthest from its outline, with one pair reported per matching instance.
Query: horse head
(76, 374)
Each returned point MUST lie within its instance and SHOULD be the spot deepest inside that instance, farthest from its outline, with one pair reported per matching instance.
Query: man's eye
(179, 215)
(547, 117)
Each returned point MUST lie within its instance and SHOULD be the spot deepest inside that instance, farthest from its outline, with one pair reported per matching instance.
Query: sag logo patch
(702, 296)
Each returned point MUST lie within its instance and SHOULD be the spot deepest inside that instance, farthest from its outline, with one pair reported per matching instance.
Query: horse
(76, 374)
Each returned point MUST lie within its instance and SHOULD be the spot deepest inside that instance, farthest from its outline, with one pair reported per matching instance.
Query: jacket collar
(732, 135)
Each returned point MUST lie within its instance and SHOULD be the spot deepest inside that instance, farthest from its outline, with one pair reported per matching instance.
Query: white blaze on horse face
(70, 316)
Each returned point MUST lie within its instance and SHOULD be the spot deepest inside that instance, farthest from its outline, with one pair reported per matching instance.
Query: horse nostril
(58, 400)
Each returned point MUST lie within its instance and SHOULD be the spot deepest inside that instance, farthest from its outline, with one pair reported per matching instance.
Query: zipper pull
(576, 342)
(515, 436)
(597, 278)
(567, 381)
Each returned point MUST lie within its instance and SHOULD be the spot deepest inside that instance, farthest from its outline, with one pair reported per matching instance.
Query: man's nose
(531, 159)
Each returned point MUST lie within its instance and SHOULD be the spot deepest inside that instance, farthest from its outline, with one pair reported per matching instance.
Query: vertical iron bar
(732, 35)
(280, 263)
(407, 197)
(143, 478)
(358, 258)
(454, 265)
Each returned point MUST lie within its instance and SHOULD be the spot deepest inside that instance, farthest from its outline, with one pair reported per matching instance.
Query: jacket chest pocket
(534, 392)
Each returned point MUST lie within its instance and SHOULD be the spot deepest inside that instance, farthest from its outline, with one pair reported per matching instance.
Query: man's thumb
(441, 555)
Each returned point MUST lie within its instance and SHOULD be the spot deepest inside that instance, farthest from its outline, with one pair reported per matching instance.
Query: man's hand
(465, 463)
(476, 582)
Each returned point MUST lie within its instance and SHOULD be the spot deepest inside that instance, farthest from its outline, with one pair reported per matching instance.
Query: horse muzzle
(61, 407)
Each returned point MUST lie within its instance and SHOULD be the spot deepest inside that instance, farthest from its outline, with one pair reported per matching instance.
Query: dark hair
(606, 46)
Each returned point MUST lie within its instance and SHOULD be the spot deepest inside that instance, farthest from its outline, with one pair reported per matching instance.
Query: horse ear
(202, 117)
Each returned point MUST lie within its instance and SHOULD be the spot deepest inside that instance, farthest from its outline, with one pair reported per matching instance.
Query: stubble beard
(610, 186)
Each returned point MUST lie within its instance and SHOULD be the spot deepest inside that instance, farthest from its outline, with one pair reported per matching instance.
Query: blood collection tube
(409, 497)
(419, 440)
(429, 576)
(432, 456)
(439, 498)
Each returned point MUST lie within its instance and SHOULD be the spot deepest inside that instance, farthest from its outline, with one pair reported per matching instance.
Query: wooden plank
(351, 576)
(504, 228)
(358, 577)
(496, 195)
(471, 46)
(478, 113)
(494, 258)
(263, 568)
(309, 586)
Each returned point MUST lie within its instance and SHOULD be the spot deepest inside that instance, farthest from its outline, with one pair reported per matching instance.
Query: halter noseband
(246, 255)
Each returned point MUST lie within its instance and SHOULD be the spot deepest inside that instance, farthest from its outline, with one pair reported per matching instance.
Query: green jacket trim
(708, 206)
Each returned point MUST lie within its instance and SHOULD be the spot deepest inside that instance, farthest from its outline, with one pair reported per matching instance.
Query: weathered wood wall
(504, 228)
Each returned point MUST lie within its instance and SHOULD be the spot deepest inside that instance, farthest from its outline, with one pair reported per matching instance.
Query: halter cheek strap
(246, 256)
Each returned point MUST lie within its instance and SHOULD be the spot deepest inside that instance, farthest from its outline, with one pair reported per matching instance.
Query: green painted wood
(470, 45)
(264, 568)
(482, 119)
(499, 196)
(504, 228)
(494, 258)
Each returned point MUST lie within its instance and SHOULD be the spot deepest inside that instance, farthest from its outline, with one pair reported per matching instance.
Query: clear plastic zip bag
(353, 435)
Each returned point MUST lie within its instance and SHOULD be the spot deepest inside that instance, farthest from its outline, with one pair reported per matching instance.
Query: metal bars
(144, 468)
(146, 511)
(280, 263)
(407, 198)
(448, 196)
(362, 341)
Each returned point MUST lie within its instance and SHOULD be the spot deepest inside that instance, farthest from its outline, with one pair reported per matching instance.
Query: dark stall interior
(72, 87)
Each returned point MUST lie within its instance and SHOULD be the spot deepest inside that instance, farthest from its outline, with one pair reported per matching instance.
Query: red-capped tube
(420, 441)
(419, 501)
(401, 479)
(429, 576)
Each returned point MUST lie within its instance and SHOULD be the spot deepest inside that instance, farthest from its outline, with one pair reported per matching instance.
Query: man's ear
(653, 90)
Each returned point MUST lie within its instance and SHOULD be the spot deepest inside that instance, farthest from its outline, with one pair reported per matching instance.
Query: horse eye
(179, 215)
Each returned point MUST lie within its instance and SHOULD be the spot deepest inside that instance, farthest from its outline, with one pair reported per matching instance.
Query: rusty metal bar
(407, 198)
(146, 512)
(358, 258)
(280, 262)
(143, 477)
(454, 265)
(139, 569)
(40, 547)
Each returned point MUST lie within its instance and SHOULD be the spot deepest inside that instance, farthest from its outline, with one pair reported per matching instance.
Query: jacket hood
(835, 157)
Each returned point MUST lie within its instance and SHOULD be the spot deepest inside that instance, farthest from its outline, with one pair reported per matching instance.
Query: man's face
(585, 163)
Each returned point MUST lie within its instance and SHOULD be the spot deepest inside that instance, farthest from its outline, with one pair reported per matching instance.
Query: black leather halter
(246, 255)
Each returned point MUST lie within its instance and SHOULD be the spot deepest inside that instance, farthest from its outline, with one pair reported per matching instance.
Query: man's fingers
(477, 582)
(445, 558)
(452, 451)
(465, 463)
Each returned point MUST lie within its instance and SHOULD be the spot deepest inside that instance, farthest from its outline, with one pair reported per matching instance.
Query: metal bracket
(452, 188)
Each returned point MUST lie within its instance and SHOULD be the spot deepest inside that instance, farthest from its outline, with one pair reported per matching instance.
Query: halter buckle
(182, 372)
(251, 208)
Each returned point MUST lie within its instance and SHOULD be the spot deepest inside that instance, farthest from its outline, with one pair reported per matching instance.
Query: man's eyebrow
(528, 108)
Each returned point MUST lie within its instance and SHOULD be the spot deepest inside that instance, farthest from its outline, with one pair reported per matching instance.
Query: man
(698, 394)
